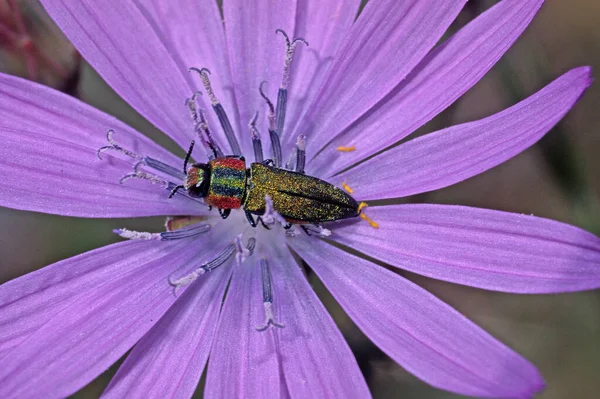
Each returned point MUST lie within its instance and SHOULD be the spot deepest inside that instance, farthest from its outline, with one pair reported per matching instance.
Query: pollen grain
(346, 149)
(347, 188)
(364, 217)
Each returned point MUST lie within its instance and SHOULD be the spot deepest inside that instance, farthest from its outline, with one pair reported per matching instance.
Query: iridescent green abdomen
(227, 182)
(297, 197)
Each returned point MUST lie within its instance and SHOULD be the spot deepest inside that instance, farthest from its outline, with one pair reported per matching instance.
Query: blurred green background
(559, 178)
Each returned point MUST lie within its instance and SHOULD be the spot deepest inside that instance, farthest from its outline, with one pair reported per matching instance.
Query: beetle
(225, 183)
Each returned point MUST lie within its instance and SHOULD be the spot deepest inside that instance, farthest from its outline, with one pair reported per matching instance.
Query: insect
(225, 183)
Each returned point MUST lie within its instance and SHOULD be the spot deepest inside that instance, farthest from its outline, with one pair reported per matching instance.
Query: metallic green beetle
(226, 184)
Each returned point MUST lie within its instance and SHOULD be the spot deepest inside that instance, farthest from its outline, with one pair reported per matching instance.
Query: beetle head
(197, 179)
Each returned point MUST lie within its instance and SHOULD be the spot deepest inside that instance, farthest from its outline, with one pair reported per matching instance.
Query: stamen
(347, 188)
(219, 110)
(209, 141)
(256, 143)
(204, 268)
(346, 149)
(316, 230)
(267, 297)
(291, 162)
(114, 146)
(275, 143)
(163, 167)
(223, 257)
(164, 236)
(139, 174)
(244, 252)
(282, 94)
(300, 153)
(364, 217)
(271, 215)
(201, 128)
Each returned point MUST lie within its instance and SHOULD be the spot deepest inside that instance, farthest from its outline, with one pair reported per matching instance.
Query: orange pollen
(346, 149)
(364, 217)
(347, 188)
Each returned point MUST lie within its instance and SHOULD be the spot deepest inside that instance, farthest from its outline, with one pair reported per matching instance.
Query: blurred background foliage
(559, 178)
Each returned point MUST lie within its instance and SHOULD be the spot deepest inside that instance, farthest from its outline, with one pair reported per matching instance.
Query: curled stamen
(207, 140)
(271, 114)
(267, 292)
(242, 253)
(204, 73)
(289, 56)
(139, 174)
(256, 142)
(165, 235)
(219, 110)
(114, 146)
(223, 256)
(190, 103)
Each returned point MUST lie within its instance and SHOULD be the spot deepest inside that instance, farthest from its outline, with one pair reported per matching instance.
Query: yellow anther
(364, 217)
(373, 224)
(346, 149)
(347, 188)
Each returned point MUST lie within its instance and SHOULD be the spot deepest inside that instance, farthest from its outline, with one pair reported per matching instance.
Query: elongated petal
(169, 360)
(94, 328)
(322, 23)
(441, 78)
(451, 155)
(316, 360)
(48, 144)
(481, 248)
(256, 52)
(123, 43)
(28, 302)
(244, 362)
(308, 357)
(387, 41)
(195, 35)
(417, 330)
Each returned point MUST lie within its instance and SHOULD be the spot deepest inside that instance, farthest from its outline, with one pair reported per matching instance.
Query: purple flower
(361, 85)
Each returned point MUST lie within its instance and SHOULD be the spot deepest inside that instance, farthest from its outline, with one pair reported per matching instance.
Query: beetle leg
(266, 226)
(268, 162)
(250, 219)
(224, 213)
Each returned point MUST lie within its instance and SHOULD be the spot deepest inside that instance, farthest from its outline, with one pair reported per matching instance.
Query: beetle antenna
(174, 191)
(187, 158)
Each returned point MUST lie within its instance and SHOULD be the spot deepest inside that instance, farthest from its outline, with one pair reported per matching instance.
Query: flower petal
(417, 330)
(454, 154)
(387, 41)
(28, 302)
(322, 23)
(112, 308)
(243, 361)
(48, 145)
(122, 43)
(195, 35)
(256, 52)
(478, 247)
(169, 360)
(439, 80)
(308, 357)
(315, 359)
